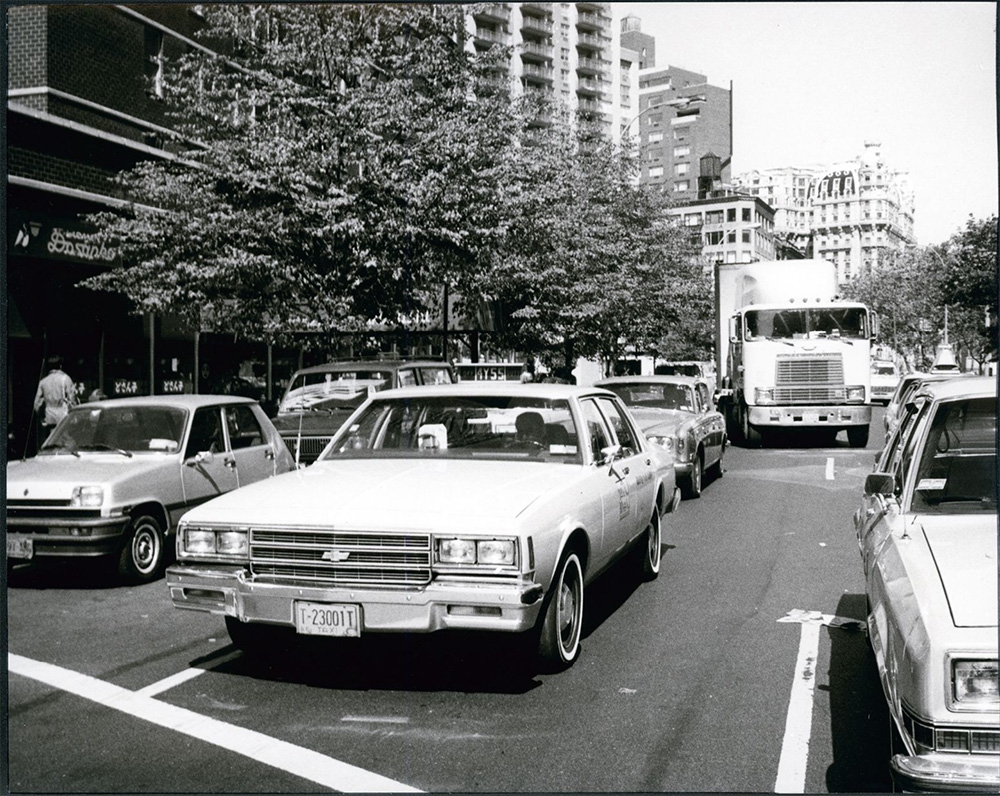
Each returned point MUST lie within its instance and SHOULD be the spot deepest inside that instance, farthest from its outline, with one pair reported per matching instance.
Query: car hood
(965, 554)
(393, 493)
(54, 477)
(660, 421)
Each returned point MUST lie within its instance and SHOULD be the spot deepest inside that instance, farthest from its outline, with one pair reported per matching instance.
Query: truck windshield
(811, 322)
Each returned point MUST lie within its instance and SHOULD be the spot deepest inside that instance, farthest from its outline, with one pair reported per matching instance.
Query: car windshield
(957, 472)
(837, 322)
(489, 427)
(128, 429)
(344, 389)
(654, 395)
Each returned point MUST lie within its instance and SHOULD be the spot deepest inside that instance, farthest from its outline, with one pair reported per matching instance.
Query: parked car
(320, 398)
(115, 476)
(885, 379)
(908, 384)
(927, 532)
(676, 413)
(478, 506)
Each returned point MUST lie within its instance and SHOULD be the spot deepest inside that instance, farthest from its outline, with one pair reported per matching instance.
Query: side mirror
(609, 453)
(198, 458)
(880, 484)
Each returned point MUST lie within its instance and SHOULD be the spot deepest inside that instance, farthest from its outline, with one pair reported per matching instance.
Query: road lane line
(300, 762)
(798, 722)
(829, 469)
(167, 683)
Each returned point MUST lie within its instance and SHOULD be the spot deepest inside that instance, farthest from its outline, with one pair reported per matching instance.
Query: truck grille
(811, 379)
(325, 557)
(312, 447)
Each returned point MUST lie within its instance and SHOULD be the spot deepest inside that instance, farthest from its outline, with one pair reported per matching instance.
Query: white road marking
(829, 468)
(284, 756)
(798, 722)
(167, 683)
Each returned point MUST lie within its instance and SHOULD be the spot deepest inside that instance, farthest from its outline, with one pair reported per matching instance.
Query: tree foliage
(338, 165)
(911, 289)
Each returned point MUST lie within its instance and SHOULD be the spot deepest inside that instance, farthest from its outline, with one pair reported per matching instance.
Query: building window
(656, 171)
(731, 214)
(746, 214)
(656, 137)
(682, 151)
(731, 236)
(154, 63)
(692, 219)
(713, 217)
(681, 169)
(683, 185)
(713, 238)
(746, 236)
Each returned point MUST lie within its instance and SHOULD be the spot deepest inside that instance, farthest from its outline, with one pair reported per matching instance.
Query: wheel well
(578, 542)
(154, 510)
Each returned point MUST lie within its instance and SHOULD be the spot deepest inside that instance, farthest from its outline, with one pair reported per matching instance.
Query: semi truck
(789, 353)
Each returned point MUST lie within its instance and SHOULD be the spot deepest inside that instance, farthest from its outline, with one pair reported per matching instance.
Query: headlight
(856, 394)
(975, 682)
(87, 496)
(493, 552)
(763, 395)
(230, 542)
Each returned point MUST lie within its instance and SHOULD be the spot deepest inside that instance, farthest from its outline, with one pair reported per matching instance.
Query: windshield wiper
(62, 446)
(102, 446)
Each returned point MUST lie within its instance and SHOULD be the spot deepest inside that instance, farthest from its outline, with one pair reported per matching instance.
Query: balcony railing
(533, 71)
(537, 25)
(493, 12)
(591, 41)
(587, 19)
(534, 49)
(492, 36)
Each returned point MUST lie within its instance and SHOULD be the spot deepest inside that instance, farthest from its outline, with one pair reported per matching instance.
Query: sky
(813, 81)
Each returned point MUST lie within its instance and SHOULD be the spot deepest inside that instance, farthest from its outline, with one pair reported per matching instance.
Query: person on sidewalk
(55, 395)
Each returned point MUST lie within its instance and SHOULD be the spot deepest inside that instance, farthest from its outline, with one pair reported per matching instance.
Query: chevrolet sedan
(115, 476)
(475, 506)
(927, 532)
(676, 414)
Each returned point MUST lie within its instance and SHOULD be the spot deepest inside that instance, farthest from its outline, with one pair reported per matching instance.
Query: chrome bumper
(69, 537)
(441, 605)
(811, 416)
(947, 773)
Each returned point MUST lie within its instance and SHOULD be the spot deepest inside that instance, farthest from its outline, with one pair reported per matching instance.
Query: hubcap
(144, 549)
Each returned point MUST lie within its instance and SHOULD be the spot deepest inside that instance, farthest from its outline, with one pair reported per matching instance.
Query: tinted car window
(244, 429)
(206, 432)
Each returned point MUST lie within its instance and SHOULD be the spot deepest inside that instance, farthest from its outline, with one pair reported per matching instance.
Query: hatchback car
(482, 506)
(319, 398)
(927, 533)
(115, 476)
(676, 413)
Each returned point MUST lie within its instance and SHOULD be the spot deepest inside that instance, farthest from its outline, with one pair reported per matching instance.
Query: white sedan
(477, 506)
(927, 531)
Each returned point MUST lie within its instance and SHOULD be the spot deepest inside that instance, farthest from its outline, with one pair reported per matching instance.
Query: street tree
(337, 166)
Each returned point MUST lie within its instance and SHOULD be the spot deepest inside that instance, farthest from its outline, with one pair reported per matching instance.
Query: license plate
(20, 548)
(327, 619)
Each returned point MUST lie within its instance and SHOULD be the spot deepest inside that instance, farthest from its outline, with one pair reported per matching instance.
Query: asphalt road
(742, 668)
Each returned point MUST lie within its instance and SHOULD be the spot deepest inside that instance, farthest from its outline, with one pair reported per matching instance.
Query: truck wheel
(559, 644)
(750, 434)
(857, 436)
(141, 557)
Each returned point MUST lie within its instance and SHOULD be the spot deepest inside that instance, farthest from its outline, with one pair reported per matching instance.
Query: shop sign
(489, 371)
(60, 239)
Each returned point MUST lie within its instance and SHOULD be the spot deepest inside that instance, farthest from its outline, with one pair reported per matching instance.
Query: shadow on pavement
(859, 717)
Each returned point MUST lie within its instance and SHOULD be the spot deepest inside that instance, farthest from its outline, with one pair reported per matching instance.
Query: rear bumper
(947, 773)
(441, 605)
(811, 416)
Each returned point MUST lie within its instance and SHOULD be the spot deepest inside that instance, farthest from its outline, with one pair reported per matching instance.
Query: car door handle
(624, 470)
(269, 453)
(230, 463)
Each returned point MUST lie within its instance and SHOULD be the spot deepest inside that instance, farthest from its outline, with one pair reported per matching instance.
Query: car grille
(814, 379)
(325, 557)
(952, 739)
(311, 448)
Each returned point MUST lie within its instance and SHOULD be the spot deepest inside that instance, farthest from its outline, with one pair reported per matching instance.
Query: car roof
(371, 364)
(664, 378)
(959, 387)
(542, 390)
(181, 401)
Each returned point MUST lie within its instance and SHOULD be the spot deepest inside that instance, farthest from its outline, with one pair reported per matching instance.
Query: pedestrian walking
(55, 395)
